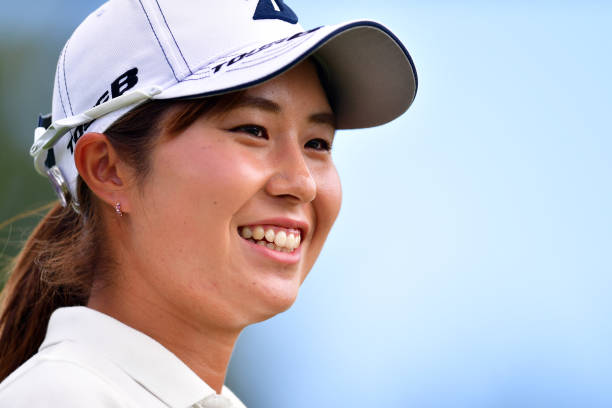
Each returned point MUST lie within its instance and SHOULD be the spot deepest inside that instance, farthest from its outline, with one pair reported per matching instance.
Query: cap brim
(371, 78)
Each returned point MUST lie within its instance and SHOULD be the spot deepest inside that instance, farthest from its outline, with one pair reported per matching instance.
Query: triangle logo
(274, 9)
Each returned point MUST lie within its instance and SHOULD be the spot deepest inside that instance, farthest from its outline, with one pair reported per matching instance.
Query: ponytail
(54, 269)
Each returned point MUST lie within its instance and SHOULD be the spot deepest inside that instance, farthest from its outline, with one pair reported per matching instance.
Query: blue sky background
(471, 262)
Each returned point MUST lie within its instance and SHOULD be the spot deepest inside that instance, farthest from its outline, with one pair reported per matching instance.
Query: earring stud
(118, 209)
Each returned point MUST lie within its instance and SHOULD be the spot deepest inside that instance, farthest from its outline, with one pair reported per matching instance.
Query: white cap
(129, 51)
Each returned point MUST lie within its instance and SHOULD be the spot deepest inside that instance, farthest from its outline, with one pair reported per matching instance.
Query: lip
(281, 257)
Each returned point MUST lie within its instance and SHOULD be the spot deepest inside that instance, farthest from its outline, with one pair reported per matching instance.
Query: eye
(318, 144)
(253, 130)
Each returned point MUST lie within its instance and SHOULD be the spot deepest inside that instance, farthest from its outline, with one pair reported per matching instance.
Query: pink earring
(118, 209)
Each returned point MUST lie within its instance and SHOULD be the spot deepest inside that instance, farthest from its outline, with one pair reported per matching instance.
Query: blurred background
(471, 262)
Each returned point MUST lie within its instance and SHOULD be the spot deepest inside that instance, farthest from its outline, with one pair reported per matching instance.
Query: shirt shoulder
(89, 359)
(46, 382)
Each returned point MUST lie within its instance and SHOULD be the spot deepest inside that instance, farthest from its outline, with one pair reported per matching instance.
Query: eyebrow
(324, 118)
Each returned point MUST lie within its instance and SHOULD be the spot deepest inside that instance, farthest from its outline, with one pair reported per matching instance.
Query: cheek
(326, 205)
(195, 188)
(329, 198)
(212, 175)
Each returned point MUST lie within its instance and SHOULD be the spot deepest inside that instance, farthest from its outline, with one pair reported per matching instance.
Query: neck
(205, 348)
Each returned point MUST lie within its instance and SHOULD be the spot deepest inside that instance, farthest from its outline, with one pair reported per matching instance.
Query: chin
(273, 303)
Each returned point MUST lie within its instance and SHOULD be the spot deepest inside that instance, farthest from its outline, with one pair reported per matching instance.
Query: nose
(292, 177)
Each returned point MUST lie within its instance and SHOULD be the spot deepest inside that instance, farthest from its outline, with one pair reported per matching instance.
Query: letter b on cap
(124, 83)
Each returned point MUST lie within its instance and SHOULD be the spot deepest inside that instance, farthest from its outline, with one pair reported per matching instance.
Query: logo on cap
(274, 9)
(118, 87)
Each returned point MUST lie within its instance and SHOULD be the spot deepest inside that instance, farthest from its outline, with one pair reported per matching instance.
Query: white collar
(142, 358)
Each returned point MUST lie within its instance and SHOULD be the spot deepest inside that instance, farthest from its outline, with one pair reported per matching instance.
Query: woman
(190, 150)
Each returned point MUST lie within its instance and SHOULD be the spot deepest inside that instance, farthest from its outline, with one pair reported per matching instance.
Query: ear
(104, 173)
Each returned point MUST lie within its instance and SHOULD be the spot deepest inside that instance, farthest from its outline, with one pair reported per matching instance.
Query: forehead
(300, 87)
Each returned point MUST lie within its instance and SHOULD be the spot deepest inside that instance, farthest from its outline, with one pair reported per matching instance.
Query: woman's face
(264, 166)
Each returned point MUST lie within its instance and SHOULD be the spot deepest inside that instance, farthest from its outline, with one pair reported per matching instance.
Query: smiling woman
(195, 196)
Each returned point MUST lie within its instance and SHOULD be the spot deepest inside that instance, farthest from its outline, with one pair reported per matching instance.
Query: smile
(272, 237)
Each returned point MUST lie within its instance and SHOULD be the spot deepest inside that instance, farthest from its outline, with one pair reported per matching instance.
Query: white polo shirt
(89, 359)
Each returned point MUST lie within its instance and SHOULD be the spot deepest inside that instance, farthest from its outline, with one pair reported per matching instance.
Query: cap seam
(173, 38)
(59, 90)
(157, 38)
(65, 81)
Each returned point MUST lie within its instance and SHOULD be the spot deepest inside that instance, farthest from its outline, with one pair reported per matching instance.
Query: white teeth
(290, 242)
(270, 235)
(258, 233)
(246, 233)
(270, 245)
(280, 238)
(281, 241)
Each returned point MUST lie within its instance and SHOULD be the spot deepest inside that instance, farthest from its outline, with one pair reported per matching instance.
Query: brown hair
(66, 251)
